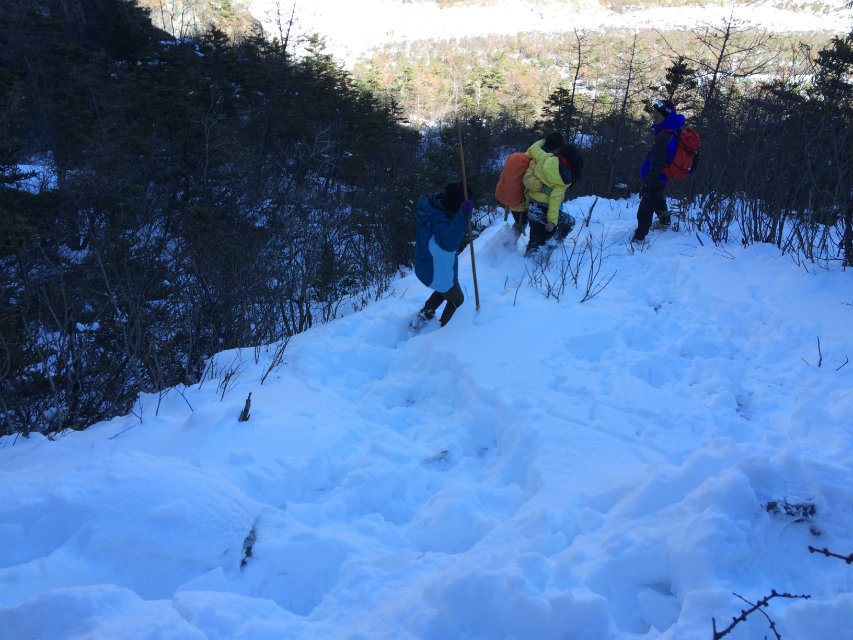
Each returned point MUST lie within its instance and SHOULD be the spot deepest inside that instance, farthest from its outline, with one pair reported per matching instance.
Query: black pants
(538, 213)
(452, 296)
(651, 202)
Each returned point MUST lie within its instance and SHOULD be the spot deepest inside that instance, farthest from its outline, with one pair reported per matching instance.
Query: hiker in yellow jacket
(552, 142)
(546, 182)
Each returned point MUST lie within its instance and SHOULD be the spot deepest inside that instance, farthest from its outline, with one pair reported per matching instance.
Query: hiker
(666, 122)
(547, 181)
(553, 141)
(442, 220)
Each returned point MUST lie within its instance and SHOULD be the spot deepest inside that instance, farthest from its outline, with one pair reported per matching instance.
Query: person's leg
(432, 304)
(565, 224)
(454, 298)
(661, 209)
(645, 211)
(538, 235)
(520, 221)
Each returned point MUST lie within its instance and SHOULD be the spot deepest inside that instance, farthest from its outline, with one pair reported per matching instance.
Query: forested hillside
(200, 195)
(189, 18)
(167, 194)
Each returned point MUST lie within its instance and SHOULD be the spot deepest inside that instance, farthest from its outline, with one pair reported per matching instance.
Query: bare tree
(562, 100)
(283, 26)
(734, 50)
(634, 70)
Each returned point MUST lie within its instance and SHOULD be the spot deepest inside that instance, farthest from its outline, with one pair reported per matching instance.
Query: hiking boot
(638, 237)
(663, 221)
(421, 319)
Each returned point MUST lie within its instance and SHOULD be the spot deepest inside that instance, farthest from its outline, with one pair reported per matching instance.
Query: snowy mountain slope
(352, 29)
(542, 468)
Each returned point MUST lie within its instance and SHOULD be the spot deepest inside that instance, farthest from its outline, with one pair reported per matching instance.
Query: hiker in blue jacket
(441, 224)
(666, 121)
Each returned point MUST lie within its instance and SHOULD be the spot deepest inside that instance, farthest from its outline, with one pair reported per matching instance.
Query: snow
(40, 176)
(353, 29)
(540, 468)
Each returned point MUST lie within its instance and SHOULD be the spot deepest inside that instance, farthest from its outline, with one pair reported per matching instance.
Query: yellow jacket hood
(545, 169)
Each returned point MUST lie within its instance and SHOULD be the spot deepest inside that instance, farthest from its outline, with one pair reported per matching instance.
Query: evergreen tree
(561, 112)
(681, 83)
(831, 110)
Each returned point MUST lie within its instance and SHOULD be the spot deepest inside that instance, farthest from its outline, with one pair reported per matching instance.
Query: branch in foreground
(755, 607)
(830, 554)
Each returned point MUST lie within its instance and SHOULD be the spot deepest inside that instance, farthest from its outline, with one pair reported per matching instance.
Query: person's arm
(555, 201)
(448, 234)
(658, 159)
(536, 152)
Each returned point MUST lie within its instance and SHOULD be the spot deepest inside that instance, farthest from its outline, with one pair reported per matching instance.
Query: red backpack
(685, 154)
(510, 189)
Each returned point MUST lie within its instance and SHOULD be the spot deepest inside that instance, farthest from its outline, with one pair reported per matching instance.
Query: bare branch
(755, 607)
(830, 554)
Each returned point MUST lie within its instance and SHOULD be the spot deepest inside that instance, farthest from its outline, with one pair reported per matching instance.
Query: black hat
(664, 107)
(453, 196)
(553, 142)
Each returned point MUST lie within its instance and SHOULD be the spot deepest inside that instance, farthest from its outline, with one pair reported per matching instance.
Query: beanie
(553, 141)
(454, 195)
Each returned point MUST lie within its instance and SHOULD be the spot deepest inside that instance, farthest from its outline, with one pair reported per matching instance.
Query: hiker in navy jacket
(441, 224)
(666, 121)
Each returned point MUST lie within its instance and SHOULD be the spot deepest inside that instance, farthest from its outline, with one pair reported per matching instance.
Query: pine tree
(560, 111)
(681, 82)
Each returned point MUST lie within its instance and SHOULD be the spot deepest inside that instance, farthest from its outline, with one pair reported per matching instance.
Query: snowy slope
(540, 468)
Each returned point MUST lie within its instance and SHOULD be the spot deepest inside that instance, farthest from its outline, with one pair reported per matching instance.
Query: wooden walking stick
(470, 234)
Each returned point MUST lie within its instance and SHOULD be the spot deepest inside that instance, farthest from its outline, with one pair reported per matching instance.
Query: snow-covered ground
(353, 28)
(537, 469)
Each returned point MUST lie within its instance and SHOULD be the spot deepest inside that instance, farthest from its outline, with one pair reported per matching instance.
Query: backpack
(510, 189)
(684, 160)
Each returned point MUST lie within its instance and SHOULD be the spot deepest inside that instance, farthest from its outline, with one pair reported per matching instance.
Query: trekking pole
(470, 233)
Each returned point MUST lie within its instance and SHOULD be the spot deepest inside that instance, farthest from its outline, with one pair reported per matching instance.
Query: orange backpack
(685, 154)
(510, 189)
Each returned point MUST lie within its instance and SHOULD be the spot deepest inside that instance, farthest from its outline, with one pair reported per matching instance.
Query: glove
(550, 227)
(467, 207)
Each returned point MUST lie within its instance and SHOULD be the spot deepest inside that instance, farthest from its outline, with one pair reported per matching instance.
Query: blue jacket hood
(673, 121)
